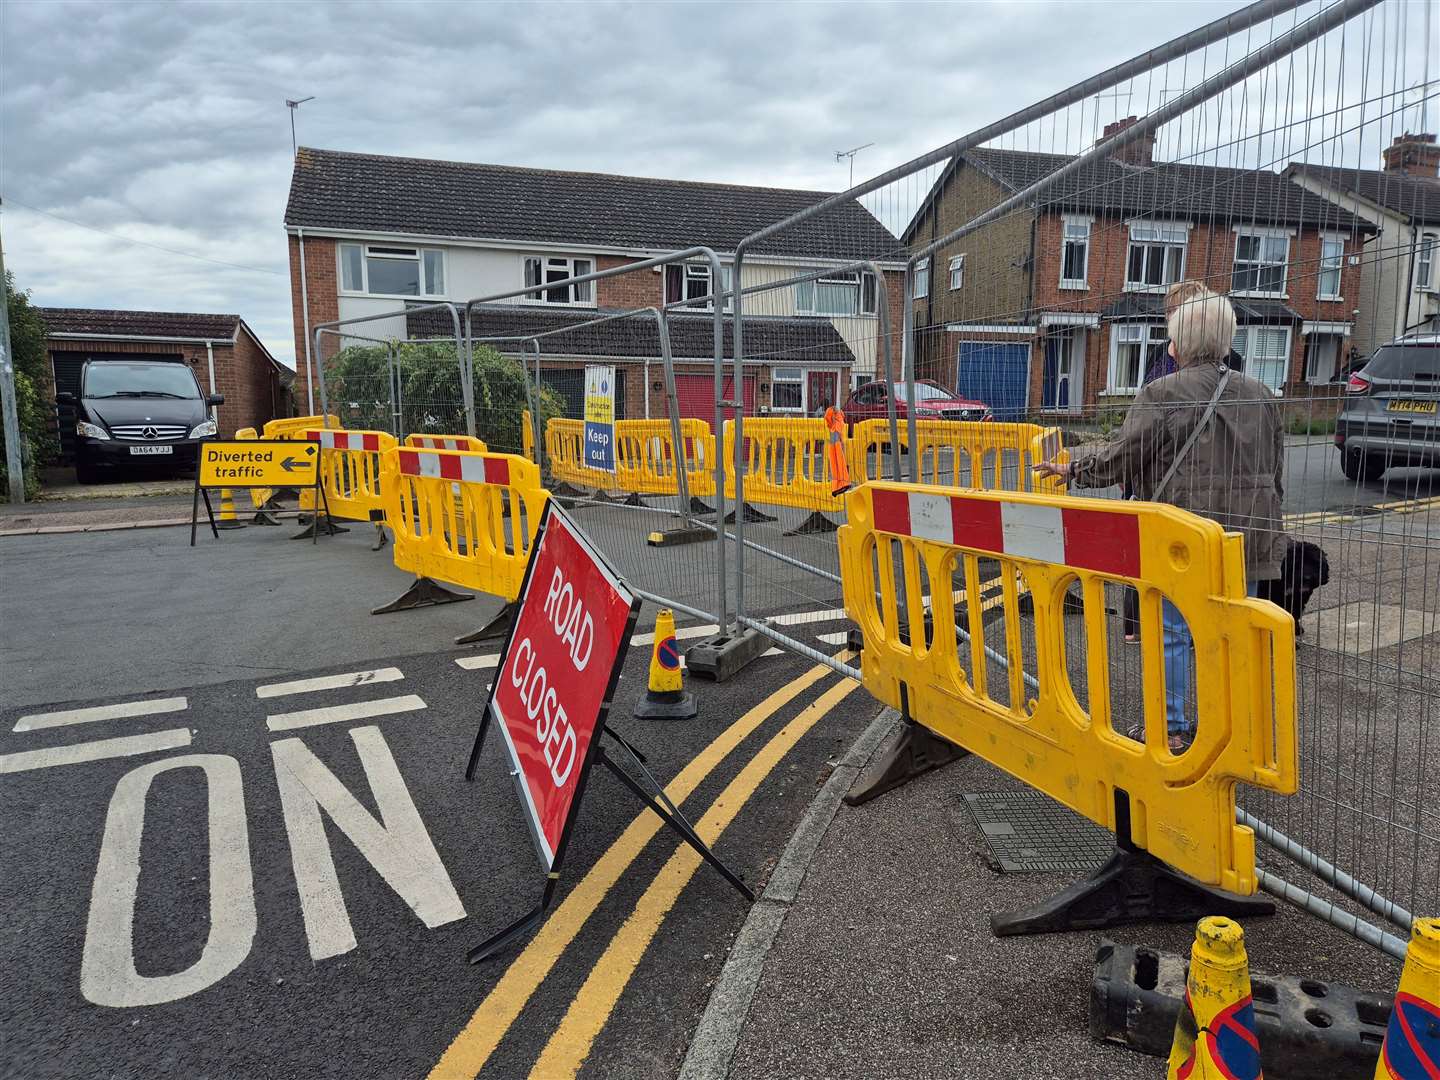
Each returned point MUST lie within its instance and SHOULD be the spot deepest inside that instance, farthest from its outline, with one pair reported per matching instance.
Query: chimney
(1139, 152)
(1413, 155)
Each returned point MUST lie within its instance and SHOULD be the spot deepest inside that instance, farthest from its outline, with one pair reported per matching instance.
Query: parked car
(932, 402)
(138, 411)
(1391, 414)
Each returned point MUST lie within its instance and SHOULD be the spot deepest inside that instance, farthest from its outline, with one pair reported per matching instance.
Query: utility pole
(13, 460)
(841, 155)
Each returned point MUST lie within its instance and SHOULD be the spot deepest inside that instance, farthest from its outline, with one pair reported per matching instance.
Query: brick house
(1400, 261)
(222, 350)
(377, 233)
(1058, 307)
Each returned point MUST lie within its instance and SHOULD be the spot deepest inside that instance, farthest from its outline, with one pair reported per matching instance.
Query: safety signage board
(600, 417)
(553, 685)
(254, 463)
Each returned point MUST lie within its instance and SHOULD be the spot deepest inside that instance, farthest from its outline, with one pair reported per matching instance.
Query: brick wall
(324, 297)
(643, 288)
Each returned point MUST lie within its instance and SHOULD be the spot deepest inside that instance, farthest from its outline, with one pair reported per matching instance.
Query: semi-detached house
(1058, 308)
(375, 233)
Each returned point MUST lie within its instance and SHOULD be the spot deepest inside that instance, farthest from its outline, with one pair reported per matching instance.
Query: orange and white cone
(666, 697)
(227, 518)
(1412, 1041)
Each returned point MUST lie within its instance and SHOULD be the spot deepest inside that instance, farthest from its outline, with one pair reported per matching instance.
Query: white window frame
(800, 379)
(957, 272)
(1150, 333)
(857, 278)
(696, 272)
(1157, 237)
(391, 252)
(1425, 259)
(1338, 268)
(921, 287)
(1308, 375)
(1247, 333)
(558, 262)
(1077, 221)
(1262, 233)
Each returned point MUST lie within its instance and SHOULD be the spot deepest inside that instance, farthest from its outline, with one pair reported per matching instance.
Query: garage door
(696, 395)
(995, 372)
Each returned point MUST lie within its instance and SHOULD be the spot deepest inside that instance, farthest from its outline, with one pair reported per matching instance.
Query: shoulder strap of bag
(1194, 434)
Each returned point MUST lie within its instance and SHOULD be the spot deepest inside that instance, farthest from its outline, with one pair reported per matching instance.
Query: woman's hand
(1049, 468)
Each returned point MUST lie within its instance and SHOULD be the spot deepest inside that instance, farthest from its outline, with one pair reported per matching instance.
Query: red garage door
(696, 395)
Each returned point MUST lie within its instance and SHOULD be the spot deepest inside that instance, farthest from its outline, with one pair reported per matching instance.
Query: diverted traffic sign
(253, 463)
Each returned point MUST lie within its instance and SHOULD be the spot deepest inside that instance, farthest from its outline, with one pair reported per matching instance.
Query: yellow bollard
(1412, 1041)
(1215, 1031)
(666, 698)
(227, 518)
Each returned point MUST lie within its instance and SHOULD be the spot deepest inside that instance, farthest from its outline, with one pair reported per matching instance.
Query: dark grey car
(1391, 414)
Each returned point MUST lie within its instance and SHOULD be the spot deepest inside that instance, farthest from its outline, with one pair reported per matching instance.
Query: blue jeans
(1179, 649)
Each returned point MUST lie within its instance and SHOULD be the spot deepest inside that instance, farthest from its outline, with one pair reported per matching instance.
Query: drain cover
(1031, 833)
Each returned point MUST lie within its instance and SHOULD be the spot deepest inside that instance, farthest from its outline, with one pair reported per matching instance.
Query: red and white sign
(345, 440)
(471, 468)
(554, 680)
(1102, 540)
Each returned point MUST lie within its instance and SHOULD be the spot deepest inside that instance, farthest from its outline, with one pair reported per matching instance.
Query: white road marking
(96, 750)
(478, 663)
(681, 634)
(796, 618)
(118, 711)
(107, 967)
(397, 845)
(832, 639)
(330, 682)
(339, 714)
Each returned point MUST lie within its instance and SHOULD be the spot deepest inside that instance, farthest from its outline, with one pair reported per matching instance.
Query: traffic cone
(1215, 1032)
(227, 518)
(666, 698)
(1412, 1041)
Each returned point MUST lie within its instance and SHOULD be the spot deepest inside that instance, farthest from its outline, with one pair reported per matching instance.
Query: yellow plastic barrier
(645, 458)
(259, 497)
(527, 435)
(784, 463)
(1062, 738)
(349, 471)
(468, 443)
(958, 453)
(565, 454)
(463, 518)
(291, 427)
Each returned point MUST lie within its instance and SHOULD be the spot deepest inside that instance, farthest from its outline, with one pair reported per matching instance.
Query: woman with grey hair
(1205, 439)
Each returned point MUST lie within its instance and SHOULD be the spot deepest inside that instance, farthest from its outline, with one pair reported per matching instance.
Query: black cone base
(667, 705)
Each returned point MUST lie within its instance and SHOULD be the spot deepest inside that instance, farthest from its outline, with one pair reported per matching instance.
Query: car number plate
(1410, 405)
(152, 449)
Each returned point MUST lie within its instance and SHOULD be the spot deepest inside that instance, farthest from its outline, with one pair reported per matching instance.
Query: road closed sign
(256, 463)
(554, 681)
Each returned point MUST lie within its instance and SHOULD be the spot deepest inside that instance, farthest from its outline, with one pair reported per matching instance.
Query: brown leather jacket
(1234, 474)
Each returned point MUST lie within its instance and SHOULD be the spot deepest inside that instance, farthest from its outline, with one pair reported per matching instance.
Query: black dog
(1304, 570)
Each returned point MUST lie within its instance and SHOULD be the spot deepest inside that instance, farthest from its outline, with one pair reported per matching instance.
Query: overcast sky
(166, 124)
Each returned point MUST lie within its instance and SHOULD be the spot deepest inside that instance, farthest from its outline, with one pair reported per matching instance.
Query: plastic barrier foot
(752, 516)
(697, 506)
(633, 499)
(264, 517)
(1306, 1028)
(815, 523)
(326, 527)
(855, 639)
(497, 627)
(913, 752)
(423, 593)
(686, 534)
(1132, 887)
(722, 656)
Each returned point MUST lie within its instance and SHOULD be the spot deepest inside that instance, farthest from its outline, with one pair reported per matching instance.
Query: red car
(932, 402)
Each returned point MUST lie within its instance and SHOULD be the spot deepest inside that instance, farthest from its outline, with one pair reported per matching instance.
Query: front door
(1061, 389)
(822, 388)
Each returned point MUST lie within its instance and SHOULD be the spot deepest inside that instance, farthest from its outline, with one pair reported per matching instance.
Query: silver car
(1391, 415)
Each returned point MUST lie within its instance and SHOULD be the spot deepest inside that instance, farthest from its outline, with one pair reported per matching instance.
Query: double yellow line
(571, 1041)
(1337, 517)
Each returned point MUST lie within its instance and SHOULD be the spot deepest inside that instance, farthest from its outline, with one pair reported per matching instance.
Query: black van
(1391, 415)
(138, 412)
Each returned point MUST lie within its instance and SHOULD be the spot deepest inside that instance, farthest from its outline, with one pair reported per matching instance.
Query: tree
(27, 344)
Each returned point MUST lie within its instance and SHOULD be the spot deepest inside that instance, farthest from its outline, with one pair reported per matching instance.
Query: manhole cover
(1031, 833)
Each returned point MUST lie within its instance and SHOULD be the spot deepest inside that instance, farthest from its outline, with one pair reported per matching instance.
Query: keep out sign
(554, 681)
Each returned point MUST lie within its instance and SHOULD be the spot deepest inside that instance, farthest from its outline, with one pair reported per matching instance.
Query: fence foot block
(1137, 992)
(815, 523)
(724, 655)
(423, 593)
(686, 534)
(497, 627)
(324, 524)
(914, 751)
(1132, 887)
(752, 516)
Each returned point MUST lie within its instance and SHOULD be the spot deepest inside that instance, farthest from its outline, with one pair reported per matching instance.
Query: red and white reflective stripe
(467, 468)
(440, 442)
(345, 440)
(1100, 540)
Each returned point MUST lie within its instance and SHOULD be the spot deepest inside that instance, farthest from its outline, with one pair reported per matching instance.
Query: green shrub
(38, 444)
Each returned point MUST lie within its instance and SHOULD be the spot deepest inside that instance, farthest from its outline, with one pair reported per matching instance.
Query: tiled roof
(1415, 197)
(156, 324)
(1166, 189)
(692, 336)
(370, 193)
(1247, 311)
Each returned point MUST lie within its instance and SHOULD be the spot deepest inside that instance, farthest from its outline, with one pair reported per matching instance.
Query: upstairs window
(840, 293)
(691, 281)
(1075, 253)
(922, 278)
(1332, 253)
(545, 270)
(1156, 259)
(957, 272)
(1260, 260)
(1425, 262)
(381, 270)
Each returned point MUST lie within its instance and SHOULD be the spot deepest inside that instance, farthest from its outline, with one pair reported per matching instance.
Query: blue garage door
(995, 372)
